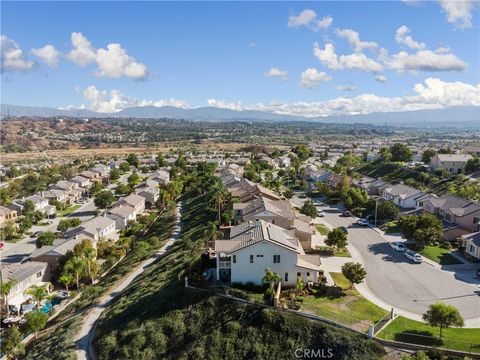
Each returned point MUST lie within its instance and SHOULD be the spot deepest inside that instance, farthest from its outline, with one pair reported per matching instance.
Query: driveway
(393, 281)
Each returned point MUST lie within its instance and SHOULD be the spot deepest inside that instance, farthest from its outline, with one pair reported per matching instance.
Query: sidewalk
(85, 336)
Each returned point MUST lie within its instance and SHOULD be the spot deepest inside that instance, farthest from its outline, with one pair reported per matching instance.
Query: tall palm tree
(66, 279)
(38, 293)
(5, 288)
(270, 278)
(76, 266)
(90, 256)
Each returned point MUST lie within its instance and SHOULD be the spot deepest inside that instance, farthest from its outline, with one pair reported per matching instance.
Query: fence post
(186, 281)
(392, 314)
(371, 331)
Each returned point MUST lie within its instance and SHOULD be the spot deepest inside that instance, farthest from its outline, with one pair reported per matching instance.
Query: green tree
(443, 316)
(5, 197)
(288, 193)
(337, 238)
(303, 152)
(472, 165)
(115, 174)
(66, 224)
(270, 278)
(423, 229)
(125, 166)
(133, 160)
(355, 198)
(76, 267)
(309, 209)
(427, 155)
(45, 239)
(66, 279)
(5, 288)
(123, 189)
(104, 199)
(133, 179)
(36, 321)
(160, 160)
(401, 152)
(9, 232)
(12, 344)
(385, 154)
(386, 210)
(354, 272)
(38, 293)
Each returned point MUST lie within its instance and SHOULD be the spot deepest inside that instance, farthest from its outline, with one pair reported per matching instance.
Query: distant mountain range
(454, 116)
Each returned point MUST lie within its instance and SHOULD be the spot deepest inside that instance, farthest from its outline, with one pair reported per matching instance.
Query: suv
(413, 256)
(397, 246)
(347, 213)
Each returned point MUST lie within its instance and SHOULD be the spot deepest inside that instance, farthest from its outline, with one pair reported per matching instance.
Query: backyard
(343, 305)
(439, 255)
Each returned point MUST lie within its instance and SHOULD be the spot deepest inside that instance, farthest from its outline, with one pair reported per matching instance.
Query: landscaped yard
(391, 227)
(406, 330)
(322, 229)
(347, 307)
(69, 210)
(327, 251)
(439, 255)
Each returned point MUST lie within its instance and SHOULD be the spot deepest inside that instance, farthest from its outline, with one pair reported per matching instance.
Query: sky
(301, 58)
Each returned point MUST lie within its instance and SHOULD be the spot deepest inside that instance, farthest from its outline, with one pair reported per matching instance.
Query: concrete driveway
(394, 281)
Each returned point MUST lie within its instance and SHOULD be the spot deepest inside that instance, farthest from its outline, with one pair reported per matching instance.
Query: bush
(446, 245)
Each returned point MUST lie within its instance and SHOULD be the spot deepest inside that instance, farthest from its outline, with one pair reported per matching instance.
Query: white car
(320, 213)
(362, 222)
(397, 246)
(413, 256)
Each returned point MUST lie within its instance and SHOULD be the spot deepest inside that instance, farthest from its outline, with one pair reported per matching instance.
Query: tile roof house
(457, 213)
(25, 275)
(453, 163)
(82, 181)
(402, 195)
(256, 245)
(135, 201)
(6, 215)
(100, 227)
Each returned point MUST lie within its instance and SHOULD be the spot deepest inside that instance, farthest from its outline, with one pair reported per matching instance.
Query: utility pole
(376, 207)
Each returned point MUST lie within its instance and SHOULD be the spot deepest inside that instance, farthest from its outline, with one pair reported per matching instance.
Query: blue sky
(194, 52)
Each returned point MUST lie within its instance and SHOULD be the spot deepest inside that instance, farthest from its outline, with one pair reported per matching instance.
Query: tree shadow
(418, 337)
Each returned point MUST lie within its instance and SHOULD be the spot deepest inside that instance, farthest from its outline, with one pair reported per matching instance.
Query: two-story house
(100, 227)
(453, 163)
(82, 181)
(459, 216)
(135, 201)
(471, 243)
(6, 215)
(122, 214)
(151, 194)
(24, 275)
(256, 245)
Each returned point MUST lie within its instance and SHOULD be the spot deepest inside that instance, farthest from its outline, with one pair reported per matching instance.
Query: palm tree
(211, 231)
(5, 288)
(66, 279)
(38, 293)
(76, 266)
(90, 255)
(270, 278)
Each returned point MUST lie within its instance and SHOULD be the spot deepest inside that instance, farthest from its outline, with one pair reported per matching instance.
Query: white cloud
(425, 60)
(277, 73)
(113, 62)
(48, 54)
(355, 61)
(353, 38)
(83, 53)
(459, 12)
(309, 19)
(12, 58)
(346, 87)
(433, 94)
(113, 101)
(222, 104)
(403, 38)
(381, 78)
(311, 78)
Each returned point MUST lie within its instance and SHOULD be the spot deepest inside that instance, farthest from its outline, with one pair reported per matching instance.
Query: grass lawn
(439, 255)
(344, 306)
(322, 229)
(327, 251)
(403, 329)
(69, 210)
(391, 227)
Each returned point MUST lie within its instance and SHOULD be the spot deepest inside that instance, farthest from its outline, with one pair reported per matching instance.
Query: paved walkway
(85, 336)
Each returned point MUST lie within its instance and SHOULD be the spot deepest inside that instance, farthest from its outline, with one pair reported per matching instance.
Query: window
(251, 259)
(308, 274)
(234, 259)
(299, 274)
(476, 220)
(286, 277)
(273, 221)
(39, 274)
(276, 259)
(259, 255)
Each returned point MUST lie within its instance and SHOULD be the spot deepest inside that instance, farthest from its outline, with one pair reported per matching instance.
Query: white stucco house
(254, 246)
(402, 195)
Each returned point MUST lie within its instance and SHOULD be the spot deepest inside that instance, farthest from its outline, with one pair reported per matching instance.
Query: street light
(377, 198)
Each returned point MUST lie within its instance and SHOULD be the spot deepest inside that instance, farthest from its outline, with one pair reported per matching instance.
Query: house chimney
(257, 222)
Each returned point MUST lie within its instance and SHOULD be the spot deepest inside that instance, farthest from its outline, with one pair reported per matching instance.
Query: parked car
(362, 222)
(397, 246)
(347, 213)
(36, 234)
(302, 196)
(321, 213)
(413, 256)
(344, 229)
